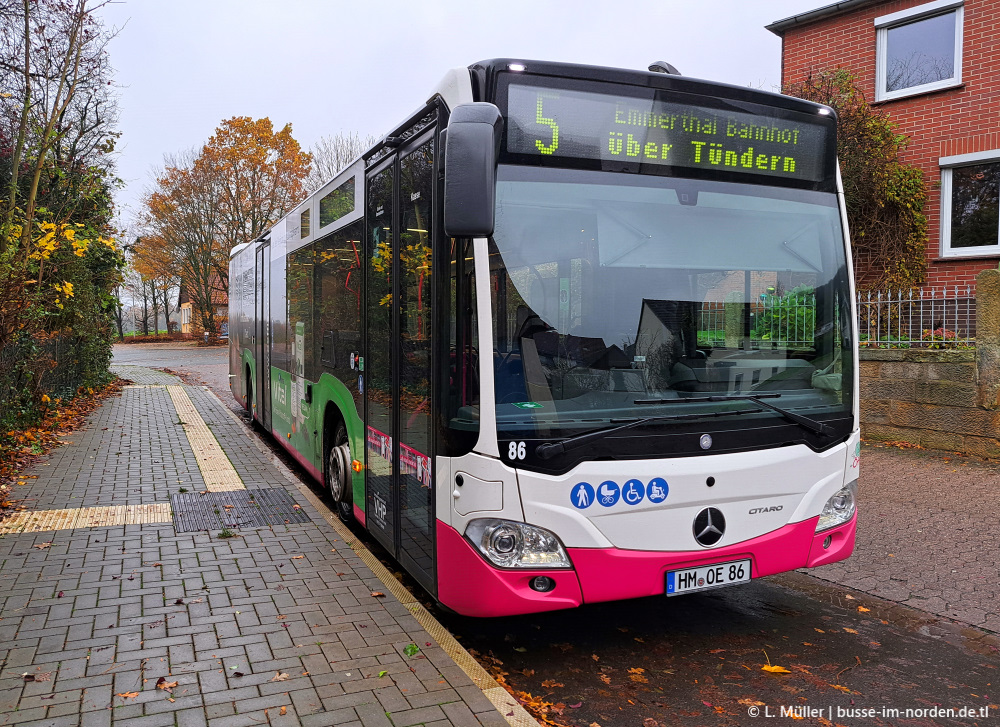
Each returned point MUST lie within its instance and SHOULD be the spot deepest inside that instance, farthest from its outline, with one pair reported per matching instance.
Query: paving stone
(118, 622)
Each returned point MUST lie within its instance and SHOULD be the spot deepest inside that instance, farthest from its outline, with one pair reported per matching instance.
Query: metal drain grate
(236, 509)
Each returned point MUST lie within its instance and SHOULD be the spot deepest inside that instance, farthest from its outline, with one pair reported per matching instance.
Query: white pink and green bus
(570, 334)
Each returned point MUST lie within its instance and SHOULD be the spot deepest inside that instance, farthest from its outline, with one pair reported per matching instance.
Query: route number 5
(540, 119)
(516, 451)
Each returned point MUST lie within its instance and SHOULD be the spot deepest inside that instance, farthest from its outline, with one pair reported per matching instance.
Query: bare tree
(331, 154)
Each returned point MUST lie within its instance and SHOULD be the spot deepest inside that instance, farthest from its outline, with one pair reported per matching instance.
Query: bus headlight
(510, 544)
(840, 508)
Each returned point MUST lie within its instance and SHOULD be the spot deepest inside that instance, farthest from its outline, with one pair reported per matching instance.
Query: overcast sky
(329, 66)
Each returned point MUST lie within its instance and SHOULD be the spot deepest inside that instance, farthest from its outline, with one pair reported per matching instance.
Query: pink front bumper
(469, 585)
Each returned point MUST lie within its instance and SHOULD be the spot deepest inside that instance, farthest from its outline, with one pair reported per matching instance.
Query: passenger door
(399, 360)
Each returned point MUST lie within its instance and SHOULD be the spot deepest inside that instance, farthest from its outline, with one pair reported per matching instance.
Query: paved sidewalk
(927, 534)
(120, 616)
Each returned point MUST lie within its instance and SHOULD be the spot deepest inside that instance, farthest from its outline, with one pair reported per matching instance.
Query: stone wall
(948, 399)
(926, 398)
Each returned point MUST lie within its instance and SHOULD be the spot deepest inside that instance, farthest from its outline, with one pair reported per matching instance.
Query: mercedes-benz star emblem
(705, 441)
(709, 526)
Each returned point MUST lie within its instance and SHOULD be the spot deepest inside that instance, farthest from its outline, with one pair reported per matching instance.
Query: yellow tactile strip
(39, 521)
(216, 469)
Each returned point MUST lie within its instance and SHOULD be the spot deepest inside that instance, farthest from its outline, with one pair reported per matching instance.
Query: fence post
(734, 319)
(988, 338)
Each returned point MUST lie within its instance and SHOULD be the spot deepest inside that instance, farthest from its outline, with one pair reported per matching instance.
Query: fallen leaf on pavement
(850, 631)
(283, 710)
(128, 695)
(862, 609)
(42, 546)
(775, 669)
(163, 684)
(378, 594)
(297, 557)
(279, 677)
(551, 684)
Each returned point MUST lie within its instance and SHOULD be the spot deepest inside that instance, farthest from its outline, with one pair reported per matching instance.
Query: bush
(788, 318)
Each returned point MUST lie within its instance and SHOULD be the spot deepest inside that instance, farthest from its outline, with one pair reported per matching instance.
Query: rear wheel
(338, 472)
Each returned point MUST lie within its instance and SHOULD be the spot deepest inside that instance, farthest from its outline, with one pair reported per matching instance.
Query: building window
(970, 205)
(304, 225)
(919, 50)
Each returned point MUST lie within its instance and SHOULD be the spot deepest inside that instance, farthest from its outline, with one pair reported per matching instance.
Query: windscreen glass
(616, 296)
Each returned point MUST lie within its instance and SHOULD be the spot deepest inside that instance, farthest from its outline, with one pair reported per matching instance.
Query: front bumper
(470, 586)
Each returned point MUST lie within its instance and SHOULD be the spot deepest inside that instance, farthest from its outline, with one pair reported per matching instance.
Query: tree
(885, 197)
(333, 153)
(241, 182)
(58, 261)
(183, 218)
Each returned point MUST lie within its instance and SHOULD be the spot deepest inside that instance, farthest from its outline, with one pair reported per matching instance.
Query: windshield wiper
(811, 424)
(548, 450)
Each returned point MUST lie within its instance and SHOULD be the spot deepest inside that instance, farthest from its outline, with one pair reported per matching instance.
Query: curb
(508, 707)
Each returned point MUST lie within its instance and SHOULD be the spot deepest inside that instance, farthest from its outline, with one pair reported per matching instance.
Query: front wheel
(338, 473)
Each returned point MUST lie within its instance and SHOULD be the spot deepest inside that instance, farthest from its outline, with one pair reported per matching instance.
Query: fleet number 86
(516, 451)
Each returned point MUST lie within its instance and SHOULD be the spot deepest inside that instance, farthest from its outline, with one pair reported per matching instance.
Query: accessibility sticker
(582, 496)
(609, 493)
(633, 492)
(528, 405)
(657, 490)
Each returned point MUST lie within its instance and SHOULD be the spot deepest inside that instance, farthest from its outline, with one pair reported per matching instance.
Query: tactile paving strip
(216, 469)
(259, 508)
(39, 521)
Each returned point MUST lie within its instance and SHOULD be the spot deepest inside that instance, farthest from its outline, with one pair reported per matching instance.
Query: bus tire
(337, 471)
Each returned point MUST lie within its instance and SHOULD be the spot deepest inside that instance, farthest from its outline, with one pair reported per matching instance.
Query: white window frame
(885, 23)
(947, 164)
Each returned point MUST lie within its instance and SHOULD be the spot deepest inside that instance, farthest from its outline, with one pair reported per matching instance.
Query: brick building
(933, 67)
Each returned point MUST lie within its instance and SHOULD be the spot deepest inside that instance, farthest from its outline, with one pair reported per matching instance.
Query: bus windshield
(616, 295)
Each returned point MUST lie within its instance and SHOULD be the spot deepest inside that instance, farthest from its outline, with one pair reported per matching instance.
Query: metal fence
(925, 318)
(54, 364)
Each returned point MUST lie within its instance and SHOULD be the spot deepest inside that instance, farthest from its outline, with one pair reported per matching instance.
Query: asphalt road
(893, 628)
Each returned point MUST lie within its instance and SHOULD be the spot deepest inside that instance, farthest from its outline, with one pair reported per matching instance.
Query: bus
(570, 334)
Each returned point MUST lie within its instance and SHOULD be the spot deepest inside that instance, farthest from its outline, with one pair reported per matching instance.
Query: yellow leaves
(774, 669)
(66, 288)
(636, 675)
(862, 609)
(850, 631)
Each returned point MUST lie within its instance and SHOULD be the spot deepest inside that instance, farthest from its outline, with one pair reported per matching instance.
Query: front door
(398, 362)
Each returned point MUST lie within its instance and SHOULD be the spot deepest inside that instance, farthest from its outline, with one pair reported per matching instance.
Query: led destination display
(559, 123)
